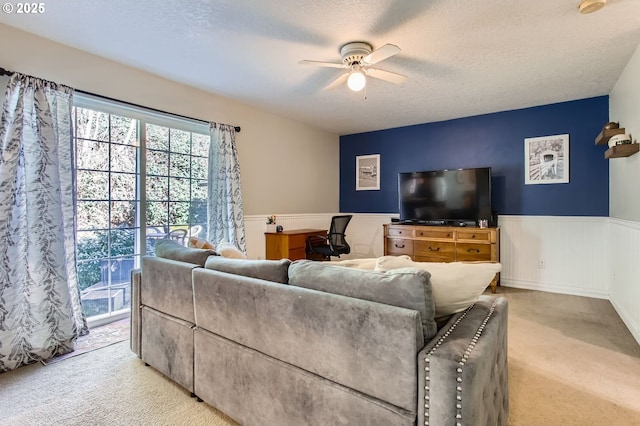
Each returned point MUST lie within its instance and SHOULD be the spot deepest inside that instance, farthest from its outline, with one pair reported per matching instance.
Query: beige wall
(624, 173)
(286, 166)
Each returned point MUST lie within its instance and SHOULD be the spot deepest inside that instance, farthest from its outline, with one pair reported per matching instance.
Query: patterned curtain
(40, 312)
(224, 205)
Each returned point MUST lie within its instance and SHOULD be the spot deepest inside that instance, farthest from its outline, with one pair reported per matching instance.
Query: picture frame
(546, 160)
(368, 172)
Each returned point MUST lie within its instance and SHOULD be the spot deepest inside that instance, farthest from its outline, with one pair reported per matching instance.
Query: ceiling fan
(358, 58)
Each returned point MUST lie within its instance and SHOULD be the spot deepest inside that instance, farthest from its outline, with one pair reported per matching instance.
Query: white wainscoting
(625, 267)
(574, 250)
(584, 256)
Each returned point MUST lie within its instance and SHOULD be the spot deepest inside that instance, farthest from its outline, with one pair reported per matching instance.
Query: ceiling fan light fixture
(356, 81)
(590, 6)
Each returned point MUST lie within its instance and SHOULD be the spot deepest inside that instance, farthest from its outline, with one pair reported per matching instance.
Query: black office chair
(332, 244)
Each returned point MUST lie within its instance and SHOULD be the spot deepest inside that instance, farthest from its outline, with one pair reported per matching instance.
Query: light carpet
(97, 338)
(571, 362)
(108, 386)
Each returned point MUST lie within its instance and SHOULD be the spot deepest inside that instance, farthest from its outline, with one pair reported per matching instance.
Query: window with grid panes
(118, 148)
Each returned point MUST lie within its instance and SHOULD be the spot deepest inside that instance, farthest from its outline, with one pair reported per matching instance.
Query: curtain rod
(7, 72)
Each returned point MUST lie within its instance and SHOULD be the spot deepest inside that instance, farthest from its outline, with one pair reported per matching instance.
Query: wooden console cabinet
(443, 244)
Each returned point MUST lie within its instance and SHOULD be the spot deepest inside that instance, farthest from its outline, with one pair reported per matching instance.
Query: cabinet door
(473, 252)
(434, 251)
(399, 246)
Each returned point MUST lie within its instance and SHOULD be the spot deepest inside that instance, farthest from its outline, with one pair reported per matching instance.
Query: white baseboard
(554, 288)
(628, 320)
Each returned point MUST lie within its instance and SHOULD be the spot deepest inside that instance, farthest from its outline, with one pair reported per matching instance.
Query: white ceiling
(462, 57)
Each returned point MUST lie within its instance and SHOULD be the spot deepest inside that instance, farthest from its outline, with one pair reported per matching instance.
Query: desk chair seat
(332, 244)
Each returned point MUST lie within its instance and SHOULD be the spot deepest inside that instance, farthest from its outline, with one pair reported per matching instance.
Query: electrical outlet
(541, 264)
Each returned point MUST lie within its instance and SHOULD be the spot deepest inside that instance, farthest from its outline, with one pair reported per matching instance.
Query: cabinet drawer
(399, 246)
(473, 236)
(434, 233)
(297, 253)
(470, 252)
(297, 242)
(437, 251)
(399, 232)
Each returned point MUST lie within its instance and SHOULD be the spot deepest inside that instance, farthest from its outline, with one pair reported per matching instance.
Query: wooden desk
(289, 244)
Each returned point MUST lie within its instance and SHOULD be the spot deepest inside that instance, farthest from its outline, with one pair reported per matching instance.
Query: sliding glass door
(118, 217)
(176, 183)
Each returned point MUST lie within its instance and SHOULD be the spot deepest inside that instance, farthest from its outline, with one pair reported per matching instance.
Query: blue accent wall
(494, 140)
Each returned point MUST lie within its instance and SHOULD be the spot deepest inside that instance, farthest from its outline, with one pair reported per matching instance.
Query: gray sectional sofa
(309, 343)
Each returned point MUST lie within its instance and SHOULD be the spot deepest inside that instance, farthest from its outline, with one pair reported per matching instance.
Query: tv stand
(443, 243)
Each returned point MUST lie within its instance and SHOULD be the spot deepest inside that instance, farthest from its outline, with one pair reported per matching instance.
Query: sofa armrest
(135, 323)
(462, 371)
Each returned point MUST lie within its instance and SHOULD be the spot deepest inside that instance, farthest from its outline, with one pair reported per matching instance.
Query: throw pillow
(455, 285)
(270, 270)
(170, 249)
(201, 243)
(409, 289)
(226, 249)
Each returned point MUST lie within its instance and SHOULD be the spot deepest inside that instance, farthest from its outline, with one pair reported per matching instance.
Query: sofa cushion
(406, 289)
(170, 249)
(455, 285)
(269, 270)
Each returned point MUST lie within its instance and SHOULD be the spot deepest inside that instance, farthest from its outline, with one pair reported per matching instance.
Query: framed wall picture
(546, 160)
(368, 172)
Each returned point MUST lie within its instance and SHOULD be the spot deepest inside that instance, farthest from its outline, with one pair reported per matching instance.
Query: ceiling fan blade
(381, 54)
(323, 64)
(338, 81)
(389, 76)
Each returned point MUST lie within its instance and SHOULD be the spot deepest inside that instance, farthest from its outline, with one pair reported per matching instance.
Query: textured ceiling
(462, 57)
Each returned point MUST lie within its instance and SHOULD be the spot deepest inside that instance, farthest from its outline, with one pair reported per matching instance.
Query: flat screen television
(445, 197)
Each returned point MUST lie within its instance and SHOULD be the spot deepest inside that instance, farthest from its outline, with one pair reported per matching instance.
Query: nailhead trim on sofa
(461, 363)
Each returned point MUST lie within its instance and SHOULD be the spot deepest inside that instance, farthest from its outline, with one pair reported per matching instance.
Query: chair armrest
(315, 240)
